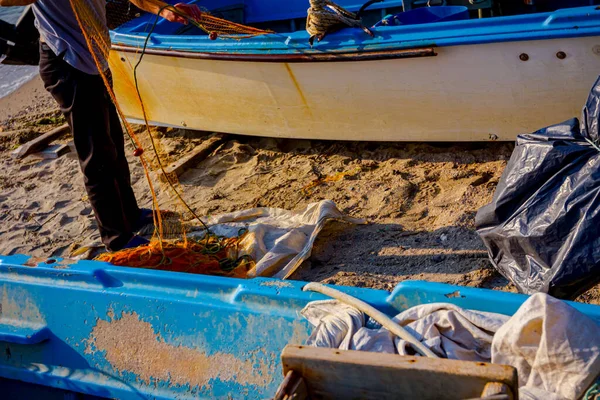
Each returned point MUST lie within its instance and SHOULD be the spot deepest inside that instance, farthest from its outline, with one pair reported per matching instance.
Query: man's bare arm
(153, 7)
(146, 5)
(9, 3)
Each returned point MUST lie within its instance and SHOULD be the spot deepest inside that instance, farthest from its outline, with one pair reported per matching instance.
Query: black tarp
(542, 229)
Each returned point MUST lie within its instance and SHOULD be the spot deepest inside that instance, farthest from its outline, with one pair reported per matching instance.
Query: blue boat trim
(566, 23)
(17, 332)
(69, 325)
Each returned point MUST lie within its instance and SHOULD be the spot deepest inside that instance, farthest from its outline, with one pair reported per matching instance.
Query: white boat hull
(465, 93)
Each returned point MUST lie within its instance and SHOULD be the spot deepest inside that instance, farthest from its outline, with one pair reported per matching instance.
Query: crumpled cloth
(555, 348)
(448, 330)
(278, 240)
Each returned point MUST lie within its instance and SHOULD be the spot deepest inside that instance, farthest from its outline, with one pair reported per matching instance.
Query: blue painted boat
(437, 74)
(101, 331)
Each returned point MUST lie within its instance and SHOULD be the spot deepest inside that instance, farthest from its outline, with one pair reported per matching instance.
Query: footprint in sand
(43, 173)
(61, 204)
(65, 220)
(429, 190)
(33, 206)
(86, 211)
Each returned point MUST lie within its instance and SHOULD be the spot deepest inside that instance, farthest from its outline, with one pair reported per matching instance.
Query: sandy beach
(419, 199)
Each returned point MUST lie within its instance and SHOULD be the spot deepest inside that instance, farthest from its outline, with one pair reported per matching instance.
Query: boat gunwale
(566, 23)
(287, 58)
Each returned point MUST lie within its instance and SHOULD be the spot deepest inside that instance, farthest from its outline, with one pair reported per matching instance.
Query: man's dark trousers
(99, 142)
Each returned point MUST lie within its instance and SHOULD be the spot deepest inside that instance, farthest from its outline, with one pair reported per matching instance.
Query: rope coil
(324, 16)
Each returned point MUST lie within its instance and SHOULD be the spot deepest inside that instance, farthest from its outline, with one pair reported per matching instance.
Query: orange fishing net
(170, 248)
(217, 27)
(217, 256)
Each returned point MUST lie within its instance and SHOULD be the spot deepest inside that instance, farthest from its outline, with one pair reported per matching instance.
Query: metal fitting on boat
(561, 55)
(523, 56)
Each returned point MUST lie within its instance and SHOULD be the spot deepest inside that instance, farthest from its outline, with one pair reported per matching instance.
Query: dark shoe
(146, 218)
(136, 241)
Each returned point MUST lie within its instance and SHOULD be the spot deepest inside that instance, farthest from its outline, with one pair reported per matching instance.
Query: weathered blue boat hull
(129, 333)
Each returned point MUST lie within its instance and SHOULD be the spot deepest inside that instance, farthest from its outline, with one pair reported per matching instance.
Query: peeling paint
(453, 295)
(16, 306)
(34, 261)
(299, 334)
(279, 284)
(132, 345)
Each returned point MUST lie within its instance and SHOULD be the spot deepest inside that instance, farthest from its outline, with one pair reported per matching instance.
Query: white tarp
(554, 347)
(278, 240)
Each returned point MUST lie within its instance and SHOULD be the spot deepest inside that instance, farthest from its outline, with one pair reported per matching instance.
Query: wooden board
(340, 374)
(40, 143)
(194, 157)
(52, 152)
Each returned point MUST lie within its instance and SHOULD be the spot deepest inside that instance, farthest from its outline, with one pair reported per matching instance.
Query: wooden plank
(496, 391)
(40, 143)
(194, 157)
(52, 152)
(292, 388)
(331, 374)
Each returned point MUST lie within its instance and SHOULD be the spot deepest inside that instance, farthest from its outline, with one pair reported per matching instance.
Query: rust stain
(298, 89)
(124, 84)
(131, 344)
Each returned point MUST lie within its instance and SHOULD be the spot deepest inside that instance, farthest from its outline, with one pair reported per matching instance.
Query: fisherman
(70, 74)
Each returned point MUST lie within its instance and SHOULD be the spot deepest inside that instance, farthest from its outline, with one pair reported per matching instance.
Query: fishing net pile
(170, 247)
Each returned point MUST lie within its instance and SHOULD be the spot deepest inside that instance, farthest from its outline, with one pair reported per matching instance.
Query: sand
(419, 199)
(30, 98)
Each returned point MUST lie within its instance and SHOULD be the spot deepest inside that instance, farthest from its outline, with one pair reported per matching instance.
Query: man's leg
(130, 205)
(84, 101)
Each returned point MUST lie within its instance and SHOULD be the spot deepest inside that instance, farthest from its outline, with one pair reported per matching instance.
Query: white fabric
(555, 349)
(457, 333)
(336, 323)
(278, 240)
(446, 329)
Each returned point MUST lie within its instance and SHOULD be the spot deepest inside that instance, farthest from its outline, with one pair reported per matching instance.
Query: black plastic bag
(542, 229)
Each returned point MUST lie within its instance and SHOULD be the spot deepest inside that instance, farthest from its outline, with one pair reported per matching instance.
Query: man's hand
(191, 10)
